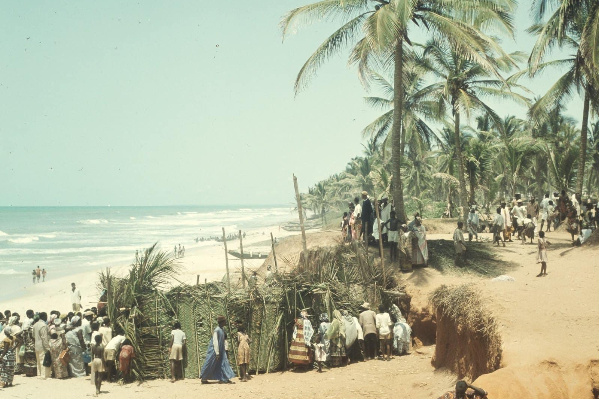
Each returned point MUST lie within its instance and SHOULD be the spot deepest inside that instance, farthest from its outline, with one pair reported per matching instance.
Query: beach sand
(549, 328)
(206, 259)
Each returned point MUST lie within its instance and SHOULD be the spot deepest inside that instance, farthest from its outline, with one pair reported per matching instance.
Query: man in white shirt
(544, 206)
(507, 221)
(75, 298)
(383, 323)
(176, 349)
(110, 354)
(518, 212)
(385, 215)
(497, 227)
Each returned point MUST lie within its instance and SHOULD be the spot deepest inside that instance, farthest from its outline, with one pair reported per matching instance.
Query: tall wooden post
(226, 261)
(242, 259)
(273, 249)
(300, 215)
(380, 242)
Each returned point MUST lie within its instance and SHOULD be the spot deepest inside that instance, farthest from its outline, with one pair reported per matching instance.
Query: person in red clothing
(127, 354)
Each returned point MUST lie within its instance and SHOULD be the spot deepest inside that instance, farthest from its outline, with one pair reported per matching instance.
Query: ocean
(68, 240)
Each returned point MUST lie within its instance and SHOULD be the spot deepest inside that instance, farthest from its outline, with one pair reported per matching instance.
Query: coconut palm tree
(572, 25)
(461, 85)
(379, 28)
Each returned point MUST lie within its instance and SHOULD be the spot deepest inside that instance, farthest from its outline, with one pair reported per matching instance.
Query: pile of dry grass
(481, 260)
(468, 341)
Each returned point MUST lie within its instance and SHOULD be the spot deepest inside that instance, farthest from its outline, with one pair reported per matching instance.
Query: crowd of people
(60, 345)
(407, 242)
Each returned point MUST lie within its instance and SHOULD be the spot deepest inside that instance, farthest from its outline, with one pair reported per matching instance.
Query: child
(459, 244)
(345, 221)
(97, 363)
(392, 225)
(542, 256)
(243, 356)
(320, 354)
(127, 354)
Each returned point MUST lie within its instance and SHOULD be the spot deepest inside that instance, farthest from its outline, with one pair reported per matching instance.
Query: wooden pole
(242, 259)
(380, 242)
(300, 215)
(273, 249)
(197, 280)
(226, 261)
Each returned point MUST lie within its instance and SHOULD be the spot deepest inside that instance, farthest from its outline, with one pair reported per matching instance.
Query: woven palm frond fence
(325, 279)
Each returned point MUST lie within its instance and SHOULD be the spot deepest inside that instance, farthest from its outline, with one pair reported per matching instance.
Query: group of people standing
(61, 345)
(407, 242)
(346, 338)
(38, 273)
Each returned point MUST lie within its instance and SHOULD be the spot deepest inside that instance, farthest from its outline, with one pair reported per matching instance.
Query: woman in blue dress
(216, 365)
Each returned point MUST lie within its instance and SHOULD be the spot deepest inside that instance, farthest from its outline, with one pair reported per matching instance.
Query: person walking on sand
(507, 221)
(243, 355)
(44, 275)
(497, 227)
(75, 298)
(176, 349)
(38, 274)
(459, 245)
(216, 365)
(542, 256)
(33, 275)
(473, 224)
(175, 251)
(544, 207)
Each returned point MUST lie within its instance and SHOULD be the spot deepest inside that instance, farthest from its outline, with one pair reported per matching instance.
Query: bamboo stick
(300, 215)
(273, 249)
(196, 334)
(242, 259)
(226, 261)
(380, 242)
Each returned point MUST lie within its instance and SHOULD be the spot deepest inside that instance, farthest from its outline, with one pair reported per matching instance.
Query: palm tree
(572, 25)
(462, 85)
(379, 29)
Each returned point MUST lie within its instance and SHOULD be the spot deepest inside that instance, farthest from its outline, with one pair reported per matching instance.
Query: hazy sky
(163, 103)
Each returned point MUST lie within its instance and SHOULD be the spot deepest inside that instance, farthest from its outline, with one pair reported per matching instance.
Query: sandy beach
(549, 328)
(205, 259)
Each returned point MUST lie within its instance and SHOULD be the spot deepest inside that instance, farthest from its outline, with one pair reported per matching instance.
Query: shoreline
(207, 261)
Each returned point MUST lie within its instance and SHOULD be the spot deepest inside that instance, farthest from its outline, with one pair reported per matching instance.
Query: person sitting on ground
(176, 349)
(459, 245)
(383, 323)
(125, 356)
(97, 363)
(463, 390)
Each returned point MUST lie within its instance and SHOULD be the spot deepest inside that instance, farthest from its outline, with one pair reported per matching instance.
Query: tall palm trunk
(583, 148)
(538, 176)
(397, 136)
(461, 168)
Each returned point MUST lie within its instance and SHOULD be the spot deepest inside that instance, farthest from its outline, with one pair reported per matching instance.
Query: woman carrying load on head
(301, 340)
(337, 339)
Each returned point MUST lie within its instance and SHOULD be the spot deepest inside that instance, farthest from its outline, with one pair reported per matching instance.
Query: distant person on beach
(459, 245)
(175, 251)
(38, 274)
(75, 298)
(243, 354)
(33, 274)
(176, 350)
(216, 365)
(465, 391)
(542, 256)
(44, 275)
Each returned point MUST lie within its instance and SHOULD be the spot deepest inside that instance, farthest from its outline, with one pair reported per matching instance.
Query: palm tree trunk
(538, 176)
(583, 148)
(397, 133)
(461, 168)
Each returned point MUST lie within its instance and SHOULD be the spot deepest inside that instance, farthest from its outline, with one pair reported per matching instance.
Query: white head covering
(7, 330)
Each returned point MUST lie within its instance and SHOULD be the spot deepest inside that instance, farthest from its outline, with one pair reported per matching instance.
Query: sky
(177, 103)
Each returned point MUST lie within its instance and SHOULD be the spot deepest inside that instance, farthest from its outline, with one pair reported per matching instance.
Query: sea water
(69, 240)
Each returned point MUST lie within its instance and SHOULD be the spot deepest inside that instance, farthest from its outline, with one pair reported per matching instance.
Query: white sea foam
(132, 218)
(24, 240)
(48, 236)
(4, 234)
(93, 221)
(10, 271)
